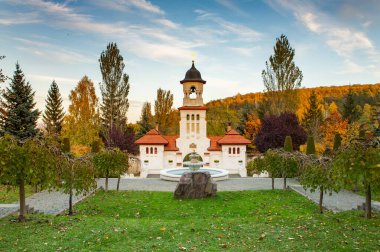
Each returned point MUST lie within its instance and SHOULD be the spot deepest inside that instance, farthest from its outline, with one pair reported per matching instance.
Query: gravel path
(57, 202)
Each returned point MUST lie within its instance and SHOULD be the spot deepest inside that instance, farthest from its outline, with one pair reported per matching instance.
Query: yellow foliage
(80, 150)
(319, 148)
(333, 124)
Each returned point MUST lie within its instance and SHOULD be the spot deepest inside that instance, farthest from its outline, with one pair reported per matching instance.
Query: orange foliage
(80, 150)
(252, 126)
(333, 124)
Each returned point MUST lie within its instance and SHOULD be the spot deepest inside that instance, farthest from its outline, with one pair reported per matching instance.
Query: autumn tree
(114, 88)
(31, 162)
(274, 129)
(333, 124)
(146, 122)
(20, 117)
(162, 108)
(281, 78)
(81, 124)
(54, 114)
(312, 118)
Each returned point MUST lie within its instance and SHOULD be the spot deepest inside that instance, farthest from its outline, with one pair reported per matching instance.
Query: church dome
(193, 75)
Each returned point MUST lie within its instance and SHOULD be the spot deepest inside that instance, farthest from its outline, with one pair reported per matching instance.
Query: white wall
(155, 161)
(234, 163)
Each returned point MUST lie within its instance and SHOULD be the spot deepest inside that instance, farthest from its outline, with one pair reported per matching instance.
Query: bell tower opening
(193, 92)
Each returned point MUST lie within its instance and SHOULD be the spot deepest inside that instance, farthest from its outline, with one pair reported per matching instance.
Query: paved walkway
(56, 202)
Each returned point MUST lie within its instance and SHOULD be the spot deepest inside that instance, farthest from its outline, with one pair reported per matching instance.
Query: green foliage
(310, 146)
(54, 114)
(110, 161)
(281, 78)
(66, 145)
(337, 142)
(312, 118)
(114, 88)
(162, 108)
(288, 145)
(10, 194)
(146, 120)
(20, 117)
(95, 146)
(217, 117)
(351, 110)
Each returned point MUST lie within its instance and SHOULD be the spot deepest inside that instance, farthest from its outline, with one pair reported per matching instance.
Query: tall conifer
(20, 117)
(53, 115)
(313, 118)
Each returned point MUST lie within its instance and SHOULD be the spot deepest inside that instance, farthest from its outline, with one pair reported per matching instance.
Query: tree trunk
(118, 183)
(321, 199)
(21, 217)
(272, 183)
(106, 182)
(71, 202)
(35, 188)
(368, 206)
(284, 182)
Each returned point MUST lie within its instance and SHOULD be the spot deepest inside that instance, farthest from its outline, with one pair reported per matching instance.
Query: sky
(336, 43)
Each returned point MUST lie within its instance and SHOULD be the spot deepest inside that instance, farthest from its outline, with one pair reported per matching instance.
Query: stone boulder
(195, 185)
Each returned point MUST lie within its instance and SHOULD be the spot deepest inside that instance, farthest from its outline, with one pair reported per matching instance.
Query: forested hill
(231, 108)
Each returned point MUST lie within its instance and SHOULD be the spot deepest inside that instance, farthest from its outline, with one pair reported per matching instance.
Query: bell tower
(193, 87)
(193, 124)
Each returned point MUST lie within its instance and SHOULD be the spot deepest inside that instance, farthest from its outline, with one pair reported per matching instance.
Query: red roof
(171, 146)
(193, 108)
(233, 137)
(152, 137)
(214, 146)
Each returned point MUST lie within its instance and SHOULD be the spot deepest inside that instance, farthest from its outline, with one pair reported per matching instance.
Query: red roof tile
(233, 137)
(171, 146)
(152, 137)
(214, 146)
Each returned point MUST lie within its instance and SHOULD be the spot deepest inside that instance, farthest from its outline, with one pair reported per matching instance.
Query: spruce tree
(146, 120)
(337, 142)
(349, 110)
(313, 118)
(53, 115)
(20, 117)
(114, 88)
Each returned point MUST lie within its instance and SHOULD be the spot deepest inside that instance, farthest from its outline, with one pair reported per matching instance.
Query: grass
(232, 221)
(11, 194)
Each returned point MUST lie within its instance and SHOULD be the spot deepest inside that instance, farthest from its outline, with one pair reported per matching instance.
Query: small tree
(31, 162)
(112, 161)
(310, 146)
(289, 165)
(313, 118)
(76, 176)
(53, 115)
(359, 162)
(271, 162)
(337, 142)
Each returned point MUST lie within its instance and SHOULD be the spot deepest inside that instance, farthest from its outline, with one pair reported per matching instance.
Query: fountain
(194, 165)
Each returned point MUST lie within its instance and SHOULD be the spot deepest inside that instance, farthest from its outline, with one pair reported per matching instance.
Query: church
(158, 152)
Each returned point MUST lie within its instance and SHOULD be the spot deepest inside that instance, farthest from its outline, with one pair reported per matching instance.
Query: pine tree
(349, 107)
(20, 117)
(146, 120)
(281, 78)
(53, 115)
(313, 118)
(114, 88)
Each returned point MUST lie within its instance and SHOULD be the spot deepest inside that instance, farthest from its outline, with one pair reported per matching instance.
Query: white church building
(158, 152)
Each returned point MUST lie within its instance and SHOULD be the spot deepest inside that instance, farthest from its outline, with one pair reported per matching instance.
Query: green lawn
(233, 221)
(10, 194)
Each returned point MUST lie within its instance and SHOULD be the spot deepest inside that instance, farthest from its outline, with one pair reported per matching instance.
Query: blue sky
(336, 42)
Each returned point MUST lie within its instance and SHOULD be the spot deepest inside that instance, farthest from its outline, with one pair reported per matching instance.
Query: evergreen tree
(20, 117)
(337, 142)
(310, 146)
(2, 76)
(288, 145)
(162, 108)
(146, 120)
(281, 78)
(313, 118)
(349, 109)
(53, 115)
(114, 88)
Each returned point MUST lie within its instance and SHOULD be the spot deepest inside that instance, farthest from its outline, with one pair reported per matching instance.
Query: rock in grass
(195, 185)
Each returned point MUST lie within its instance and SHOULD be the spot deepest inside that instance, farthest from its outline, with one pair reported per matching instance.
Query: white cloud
(19, 18)
(232, 6)
(129, 5)
(167, 23)
(350, 67)
(244, 51)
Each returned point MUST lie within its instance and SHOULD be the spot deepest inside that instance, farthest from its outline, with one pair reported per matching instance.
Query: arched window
(147, 150)
(188, 117)
(238, 150)
(229, 150)
(155, 150)
(151, 150)
(192, 117)
(198, 117)
(233, 151)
